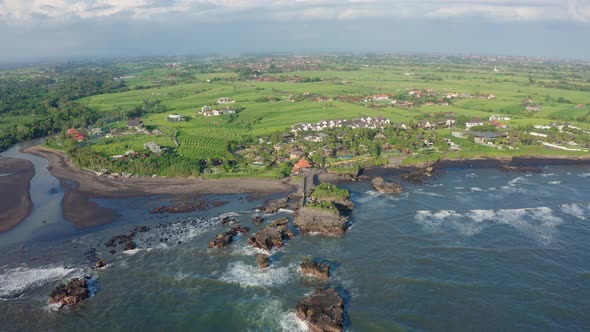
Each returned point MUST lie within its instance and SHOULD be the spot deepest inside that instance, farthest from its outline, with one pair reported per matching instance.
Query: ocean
(470, 250)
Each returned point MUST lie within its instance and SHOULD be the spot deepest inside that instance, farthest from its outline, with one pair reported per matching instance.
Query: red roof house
(301, 166)
(75, 134)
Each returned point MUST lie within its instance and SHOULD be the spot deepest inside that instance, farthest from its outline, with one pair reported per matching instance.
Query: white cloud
(295, 10)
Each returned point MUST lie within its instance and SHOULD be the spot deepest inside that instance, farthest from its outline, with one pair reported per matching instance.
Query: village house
(498, 124)
(301, 166)
(153, 147)
(224, 100)
(97, 132)
(75, 134)
(135, 124)
(295, 154)
(499, 118)
(175, 117)
(425, 124)
(486, 137)
(474, 122)
(380, 97)
(449, 123)
(532, 109)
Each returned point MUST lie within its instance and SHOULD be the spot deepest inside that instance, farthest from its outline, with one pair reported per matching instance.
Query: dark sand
(82, 185)
(15, 201)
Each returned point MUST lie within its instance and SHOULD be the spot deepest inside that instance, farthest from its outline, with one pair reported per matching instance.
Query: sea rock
(225, 238)
(272, 235)
(386, 187)
(318, 220)
(507, 168)
(315, 269)
(181, 208)
(70, 293)
(257, 220)
(129, 245)
(263, 261)
(323, 310)
(274, 206)
(101, 263)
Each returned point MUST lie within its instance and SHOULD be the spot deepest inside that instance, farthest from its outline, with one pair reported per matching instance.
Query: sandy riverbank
(81, 186)
(15, 201)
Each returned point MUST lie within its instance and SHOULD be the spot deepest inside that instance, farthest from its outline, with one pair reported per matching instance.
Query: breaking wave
(538, 223)
(15, 282)
(252, 276)
(575, 209)
(289, 322)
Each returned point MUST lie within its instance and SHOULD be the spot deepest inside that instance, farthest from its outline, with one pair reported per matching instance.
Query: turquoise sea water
(472, 250)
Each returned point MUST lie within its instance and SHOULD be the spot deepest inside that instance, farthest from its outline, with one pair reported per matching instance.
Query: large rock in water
(73, 292)
(318, 220)
(225, 238)
(386, 187)
(272, 235)
(323, 310)
(315, 269)
(263, 261)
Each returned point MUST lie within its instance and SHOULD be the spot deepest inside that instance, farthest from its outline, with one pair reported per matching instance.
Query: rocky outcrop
(181, 208)
(274, 206)
(320, 220)
(272, 235)
(323, 310)
(263, 261)
(257, 220)
(315, 269)
(225, 238)
(70, 293)
(507, 168)
(101, 263)
(386, 187)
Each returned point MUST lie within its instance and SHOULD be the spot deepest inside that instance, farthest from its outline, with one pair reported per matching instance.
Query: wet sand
(15, 201)
(82, 185)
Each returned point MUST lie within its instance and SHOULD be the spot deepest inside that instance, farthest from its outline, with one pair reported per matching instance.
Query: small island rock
(73, 292)
(315, 269)
(386, 187)
(323, 310)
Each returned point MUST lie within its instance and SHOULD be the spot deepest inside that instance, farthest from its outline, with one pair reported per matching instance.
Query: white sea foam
(548, 174)
(517, 181)
(289, 322)
(132, 251)
(471, 175)
(585, 175)
(476, 189)
(247, 250)
(286, 211)
(538, 223)
(576, 210)
(16, 281)
(554, 182)
(427, 193)
(252, 276)
(228, 215)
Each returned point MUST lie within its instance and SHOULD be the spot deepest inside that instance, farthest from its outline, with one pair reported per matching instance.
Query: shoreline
(82, 186)
(15, 197)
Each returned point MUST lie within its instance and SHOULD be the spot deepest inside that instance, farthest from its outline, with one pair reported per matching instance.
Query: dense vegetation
(273, 94)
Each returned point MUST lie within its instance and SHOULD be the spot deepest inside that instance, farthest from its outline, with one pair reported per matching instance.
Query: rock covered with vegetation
(323, 310)
(326, 211)
(386, 187)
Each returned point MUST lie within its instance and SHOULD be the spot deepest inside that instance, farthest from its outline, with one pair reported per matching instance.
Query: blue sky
(34, 29)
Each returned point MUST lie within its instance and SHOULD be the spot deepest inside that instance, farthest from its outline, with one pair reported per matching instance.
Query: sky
(38, 29)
